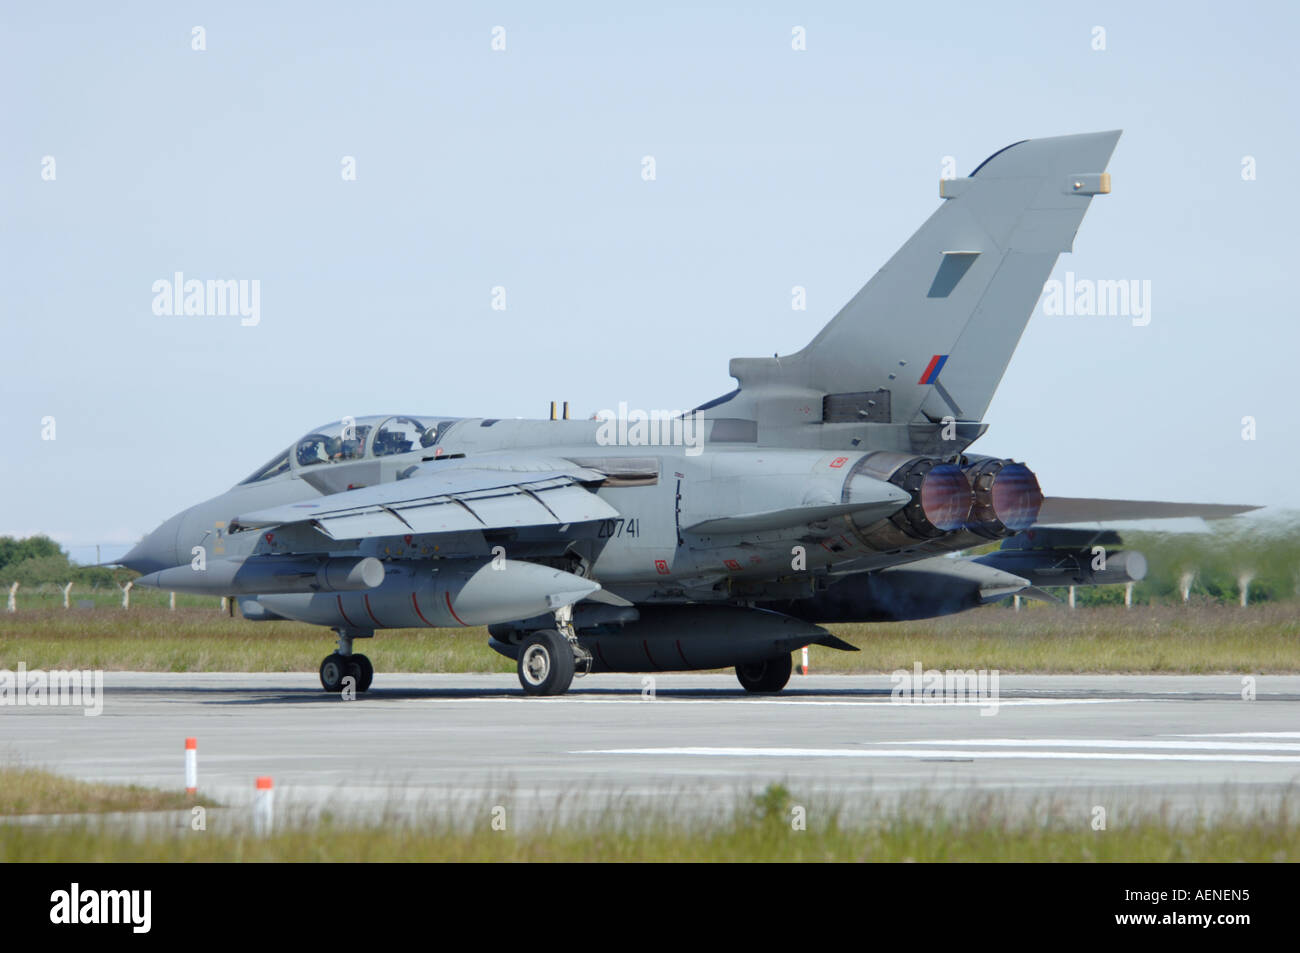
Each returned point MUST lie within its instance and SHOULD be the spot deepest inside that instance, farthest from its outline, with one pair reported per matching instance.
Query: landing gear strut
(345, 664)
(548, 658)
(766, 677)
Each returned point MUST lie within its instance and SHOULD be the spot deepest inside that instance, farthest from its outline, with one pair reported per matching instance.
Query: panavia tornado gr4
(831, 485)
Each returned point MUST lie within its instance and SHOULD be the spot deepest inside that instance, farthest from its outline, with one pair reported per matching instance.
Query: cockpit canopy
(356, 439)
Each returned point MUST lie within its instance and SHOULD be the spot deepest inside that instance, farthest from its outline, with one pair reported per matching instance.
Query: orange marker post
(191, 765)
(264, 807)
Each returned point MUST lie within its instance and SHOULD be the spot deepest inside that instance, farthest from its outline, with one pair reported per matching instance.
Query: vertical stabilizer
(931, 334)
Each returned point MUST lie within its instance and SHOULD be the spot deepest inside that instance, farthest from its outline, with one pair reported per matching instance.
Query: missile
(1055, 567)
(257, 575)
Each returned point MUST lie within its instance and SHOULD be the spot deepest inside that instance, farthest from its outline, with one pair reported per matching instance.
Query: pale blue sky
(522, 168)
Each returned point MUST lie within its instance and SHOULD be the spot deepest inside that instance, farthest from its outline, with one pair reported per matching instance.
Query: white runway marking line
(1104, 743)
(957, 752)
(1245, 734)
(731, 700)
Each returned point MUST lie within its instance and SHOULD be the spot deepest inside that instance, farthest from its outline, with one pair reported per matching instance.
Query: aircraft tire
(332, 672)
(545, 663)
(766, 677)
(365, 674)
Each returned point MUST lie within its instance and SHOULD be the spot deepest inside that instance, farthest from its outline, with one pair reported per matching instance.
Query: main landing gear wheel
(337, 667)
(365, 673)
(332, 672)
(765, 677)
(545, 663)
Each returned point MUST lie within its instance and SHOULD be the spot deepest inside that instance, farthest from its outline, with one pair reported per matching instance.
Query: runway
(463, 743)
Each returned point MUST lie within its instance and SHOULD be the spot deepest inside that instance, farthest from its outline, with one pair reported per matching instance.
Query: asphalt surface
(459, 745)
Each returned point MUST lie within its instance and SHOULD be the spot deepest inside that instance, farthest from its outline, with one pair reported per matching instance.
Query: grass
(33, 791)
(203, 640)
(760, 830)
(1193, 639)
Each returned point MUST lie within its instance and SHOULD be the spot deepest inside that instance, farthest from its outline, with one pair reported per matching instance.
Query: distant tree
(1265, 557)
(39, 570)
(39, 560)
(13, 550)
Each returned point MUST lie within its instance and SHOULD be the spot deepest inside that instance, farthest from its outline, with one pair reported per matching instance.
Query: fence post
(66, 590)
(126, 595)
(13, 598)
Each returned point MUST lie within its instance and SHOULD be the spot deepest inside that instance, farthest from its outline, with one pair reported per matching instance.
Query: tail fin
(931, 334)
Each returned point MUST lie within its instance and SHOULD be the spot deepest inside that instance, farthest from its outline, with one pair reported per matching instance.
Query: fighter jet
(834, 484)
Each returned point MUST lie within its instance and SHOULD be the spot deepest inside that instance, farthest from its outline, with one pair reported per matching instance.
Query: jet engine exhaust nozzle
(940, 502)
(946, 497)
(1007, 498)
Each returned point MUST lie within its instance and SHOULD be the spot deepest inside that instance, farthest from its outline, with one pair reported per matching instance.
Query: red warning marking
(839, 462)
(661, 567)
(646, 645)
(344, 613)
(415, 602)
(407, 539)
(731, 564)
(269, 537)
(453, 611)
(365, 597)
(682, 654)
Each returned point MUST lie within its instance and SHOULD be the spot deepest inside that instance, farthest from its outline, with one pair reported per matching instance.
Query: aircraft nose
(157, 551)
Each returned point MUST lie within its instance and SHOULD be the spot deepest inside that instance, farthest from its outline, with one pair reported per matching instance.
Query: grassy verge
(32, 791)
(198, 640)
(1041, 639)
(761, 833)
(1191, 640)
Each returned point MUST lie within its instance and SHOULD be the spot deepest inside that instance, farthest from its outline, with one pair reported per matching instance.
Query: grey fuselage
(649, 554)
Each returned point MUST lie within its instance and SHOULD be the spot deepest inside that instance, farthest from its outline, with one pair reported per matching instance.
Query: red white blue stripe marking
(933, 368)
